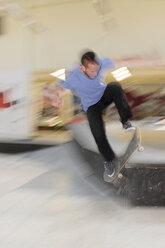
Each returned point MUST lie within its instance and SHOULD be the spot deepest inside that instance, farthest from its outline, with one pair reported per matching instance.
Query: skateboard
(133, 146)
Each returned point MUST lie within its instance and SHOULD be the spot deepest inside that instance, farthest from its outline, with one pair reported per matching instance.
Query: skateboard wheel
(141, 149)
(120, 176)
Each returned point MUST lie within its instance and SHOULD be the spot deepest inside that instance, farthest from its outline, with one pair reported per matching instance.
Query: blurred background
(42, 37)
(56, 197)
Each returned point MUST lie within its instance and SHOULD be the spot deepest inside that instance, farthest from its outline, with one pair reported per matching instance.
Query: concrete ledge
(13, 146)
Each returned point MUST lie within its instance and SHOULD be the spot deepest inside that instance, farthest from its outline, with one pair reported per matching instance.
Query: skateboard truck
(140, 148)
(120, 176)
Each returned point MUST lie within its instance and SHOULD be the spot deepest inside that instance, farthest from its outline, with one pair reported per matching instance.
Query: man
(87, 82)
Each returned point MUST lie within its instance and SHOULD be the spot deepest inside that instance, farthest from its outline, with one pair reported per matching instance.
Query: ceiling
(20, 10)
(42, 3)
(29, 4)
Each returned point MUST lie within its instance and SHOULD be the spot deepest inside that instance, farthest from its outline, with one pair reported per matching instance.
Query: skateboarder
(87, 82)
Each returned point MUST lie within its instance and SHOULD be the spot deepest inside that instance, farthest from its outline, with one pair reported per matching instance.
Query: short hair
(89, 56)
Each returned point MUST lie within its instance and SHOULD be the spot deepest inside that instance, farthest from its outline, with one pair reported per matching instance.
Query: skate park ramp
(153, 141)
(145, 171)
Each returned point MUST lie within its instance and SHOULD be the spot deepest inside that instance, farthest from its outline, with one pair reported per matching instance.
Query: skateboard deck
(133, 146)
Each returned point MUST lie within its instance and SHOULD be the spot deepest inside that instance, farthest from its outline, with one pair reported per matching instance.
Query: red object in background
(137, 100)
(2, 96)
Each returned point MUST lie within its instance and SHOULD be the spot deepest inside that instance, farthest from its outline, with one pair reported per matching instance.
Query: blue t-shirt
(89, 90)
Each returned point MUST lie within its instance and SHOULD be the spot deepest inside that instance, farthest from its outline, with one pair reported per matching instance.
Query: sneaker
(109, 169)
(128, 126)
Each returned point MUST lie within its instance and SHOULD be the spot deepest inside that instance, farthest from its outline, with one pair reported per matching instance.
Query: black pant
(113, 93)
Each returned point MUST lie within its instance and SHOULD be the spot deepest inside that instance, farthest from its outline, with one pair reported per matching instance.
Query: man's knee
(114, 85)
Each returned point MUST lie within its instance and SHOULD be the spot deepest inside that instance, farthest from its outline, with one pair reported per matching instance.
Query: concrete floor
(52, 198)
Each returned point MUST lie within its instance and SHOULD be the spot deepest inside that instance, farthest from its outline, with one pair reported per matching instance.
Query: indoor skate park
(52, 192)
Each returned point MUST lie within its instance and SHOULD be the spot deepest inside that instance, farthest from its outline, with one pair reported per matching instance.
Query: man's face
(91, 70)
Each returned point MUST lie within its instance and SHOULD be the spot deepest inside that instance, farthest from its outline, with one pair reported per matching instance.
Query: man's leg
(94, 115)
(114, 93)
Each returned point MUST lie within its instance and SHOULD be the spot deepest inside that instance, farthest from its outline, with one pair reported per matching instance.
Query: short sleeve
(107, 63)
(66, 84)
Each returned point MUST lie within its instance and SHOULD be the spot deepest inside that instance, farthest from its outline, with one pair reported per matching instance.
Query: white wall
(10, 45)
(16, 46)
(140, 26)
(136, 28)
